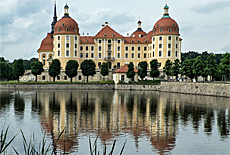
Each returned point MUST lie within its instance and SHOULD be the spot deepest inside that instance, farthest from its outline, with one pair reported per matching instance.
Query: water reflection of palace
(112, 114)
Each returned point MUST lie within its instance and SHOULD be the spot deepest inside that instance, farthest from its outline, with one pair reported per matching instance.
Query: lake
(151, 122)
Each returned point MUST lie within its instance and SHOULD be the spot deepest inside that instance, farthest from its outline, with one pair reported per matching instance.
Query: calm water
(151, 122)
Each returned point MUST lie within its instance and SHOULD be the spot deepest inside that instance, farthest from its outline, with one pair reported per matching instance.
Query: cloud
(226, 48)
(207, 8)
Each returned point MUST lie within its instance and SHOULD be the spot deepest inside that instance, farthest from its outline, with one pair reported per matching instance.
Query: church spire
(54, 19)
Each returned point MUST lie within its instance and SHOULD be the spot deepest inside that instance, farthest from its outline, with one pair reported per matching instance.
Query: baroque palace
(65, 43)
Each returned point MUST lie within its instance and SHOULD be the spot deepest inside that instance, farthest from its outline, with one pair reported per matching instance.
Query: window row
(67, 37)
(109, 40)
(169, 38)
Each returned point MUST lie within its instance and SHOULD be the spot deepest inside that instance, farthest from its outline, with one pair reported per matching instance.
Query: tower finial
(166, 11)
(54, 19)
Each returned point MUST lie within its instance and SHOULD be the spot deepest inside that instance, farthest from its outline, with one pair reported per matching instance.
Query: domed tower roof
(139, 32)
(166, 25)
(47, 43)
(66, 25)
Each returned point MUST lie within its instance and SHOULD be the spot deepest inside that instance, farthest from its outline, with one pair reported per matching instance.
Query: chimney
(106, 23)
(127, 34)
(103, 26)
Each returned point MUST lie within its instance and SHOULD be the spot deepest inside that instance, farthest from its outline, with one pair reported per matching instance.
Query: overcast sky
(204, 24)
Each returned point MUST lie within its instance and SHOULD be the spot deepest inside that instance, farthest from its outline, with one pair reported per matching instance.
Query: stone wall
(211, 89)
(142, 87)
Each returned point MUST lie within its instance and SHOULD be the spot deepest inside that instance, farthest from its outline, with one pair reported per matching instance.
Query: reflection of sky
(187, 139)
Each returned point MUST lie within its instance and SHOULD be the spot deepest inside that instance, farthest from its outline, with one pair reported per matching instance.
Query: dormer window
(161, 29)
(75, 29)
(63, 24)
(145, 40)
(113, 34)
(59, 29)
(157, 25)
(132, 40)
(173, 25)
(81, 40)
(86, 40)
(67, 29)
(154, 30)
(139, 35)
(176, 29)
(170, 29)
(138, 40)
(105, 34)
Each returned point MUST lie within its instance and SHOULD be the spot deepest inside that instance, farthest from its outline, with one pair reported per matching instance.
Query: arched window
(118, 65)
(67, 29)
(99, 65)
(161, 29)
(109, 41)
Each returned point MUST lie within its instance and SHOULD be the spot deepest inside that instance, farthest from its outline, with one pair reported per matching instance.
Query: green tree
(198, 67)
(36, 68)
(71, 69)
(104, 69)
(167, 68)
(225, 66)
(130, 73)
(2, 59)
(175, 70)
(154, 68)
(88, 68)
(142, 71)
(212, 67)
(10, 72)
(54, 69)
(19, 69)
(186, 68)
(3, 70)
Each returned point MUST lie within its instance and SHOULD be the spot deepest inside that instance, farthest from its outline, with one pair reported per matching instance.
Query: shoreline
(207, 89)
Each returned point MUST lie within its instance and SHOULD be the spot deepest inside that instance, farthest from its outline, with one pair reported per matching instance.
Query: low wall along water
(211, 89)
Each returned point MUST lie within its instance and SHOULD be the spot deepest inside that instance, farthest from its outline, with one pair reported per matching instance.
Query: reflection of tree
(208, 121)
(130, 103)
(5, 97)
(154, 101)
(19, 105)
(142, 104)
(222, 123)
(54, 105)
(36, 105)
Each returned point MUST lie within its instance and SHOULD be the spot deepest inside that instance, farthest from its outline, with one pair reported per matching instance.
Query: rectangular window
(92, 48)
(153, 38)
(169, 45)
(67, 37)
(81, 48)
(139, 55)
(86, 55)
(79, 77)
(118, 48)
(169, 37)
(159, 53)
(67, 53)
(160, 45)
(122, 77)
(145, 48)
(44, 62)
(43, 77)
(67, 45)
(176, 38)
(65, 77)
(176, 45)
(126, 48)
(153, 46)
(58, 45)
(144, 55)
(58, 37)
(132, 55)
(59, 53)
(75, 53)
(118, 55)
(99, 41)
(81, 55)
(86, 48)
(126, 55)
(118, 41)
(75, 37)
(160, 38)
(153, 53)
(99, 48)
(132, 48)
(99, 55)
(139, 48)
(92, 55)
(176, 53)
(75, 45)
(169, 53)
(58, 77)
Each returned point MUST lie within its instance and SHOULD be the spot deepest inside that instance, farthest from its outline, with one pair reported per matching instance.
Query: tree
(154, 68)
(211, 66)
(19, 69)
(225, 65)
(3, 70)
(88, 68)
(71, 69)
(10, 72)
(175, 70)
(54, 69)
(36, 68)
(186, 68)
(198, 67)
(167, 68)
(104, 69)
(130, 73)
(142, 71)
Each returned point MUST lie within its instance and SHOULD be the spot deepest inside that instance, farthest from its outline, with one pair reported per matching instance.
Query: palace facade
(65, 43)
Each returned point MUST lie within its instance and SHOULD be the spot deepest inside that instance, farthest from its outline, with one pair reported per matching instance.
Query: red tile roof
(124, 69)
(139, 40)
(47, 43)
(86, 40)
(108, 32)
